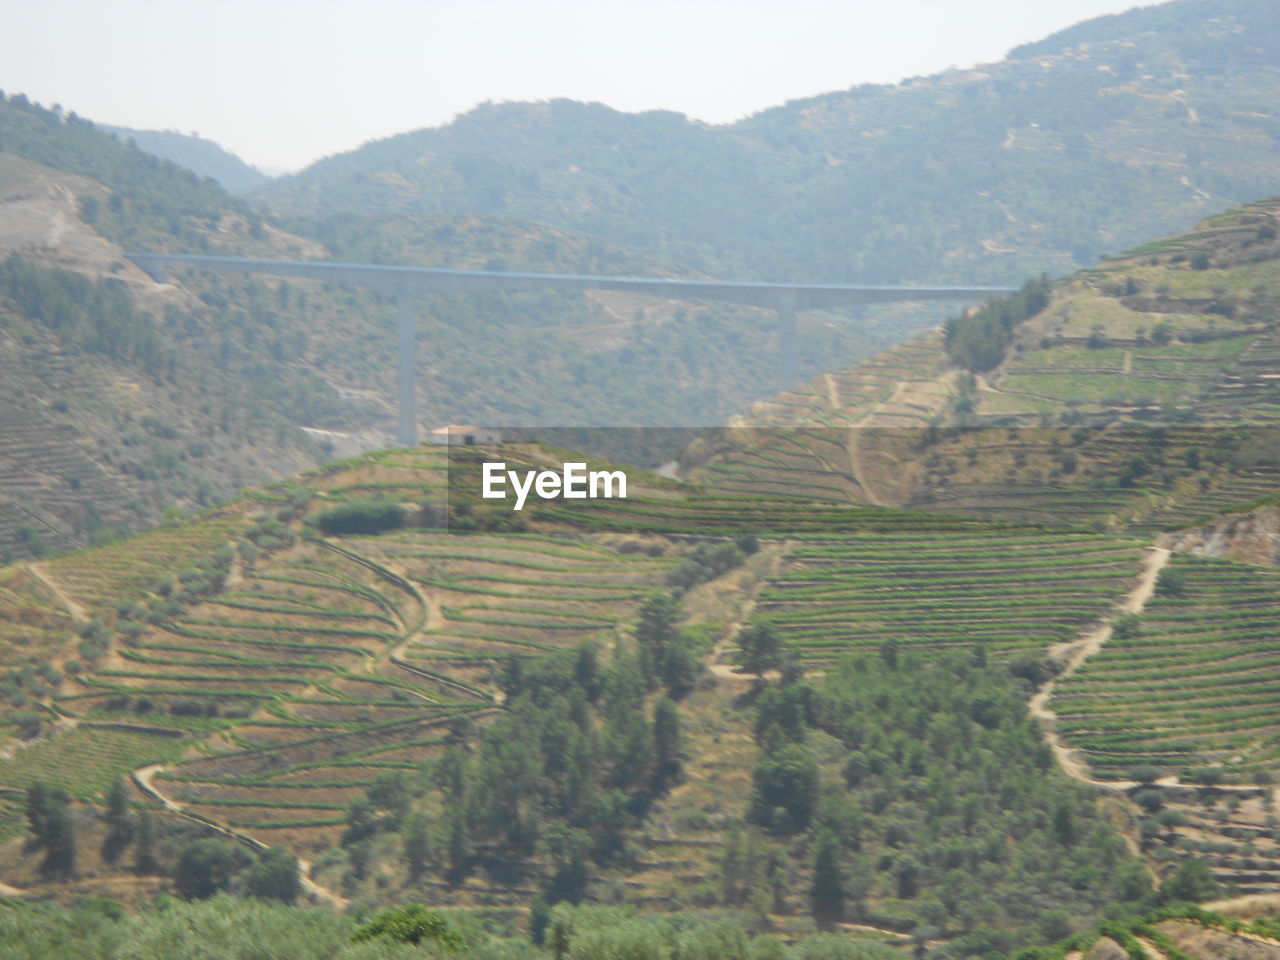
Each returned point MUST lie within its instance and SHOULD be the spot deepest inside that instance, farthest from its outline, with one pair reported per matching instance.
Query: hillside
(126, 397)
(1133, 398)
(1107, 134)
(964, 649)
(1138, 394)
(336, 694)
(195, 153)
(1092, 140)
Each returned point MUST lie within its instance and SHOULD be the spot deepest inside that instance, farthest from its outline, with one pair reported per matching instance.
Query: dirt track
(145, 778)
(1077, 653)
(78, 613)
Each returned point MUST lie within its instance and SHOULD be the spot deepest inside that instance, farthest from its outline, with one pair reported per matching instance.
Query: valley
(960, 643)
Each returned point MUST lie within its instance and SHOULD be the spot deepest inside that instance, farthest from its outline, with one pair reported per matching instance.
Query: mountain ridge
(1047, 160)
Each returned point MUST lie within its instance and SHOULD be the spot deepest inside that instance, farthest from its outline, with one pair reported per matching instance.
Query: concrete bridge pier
(406, 334)
(406, 282)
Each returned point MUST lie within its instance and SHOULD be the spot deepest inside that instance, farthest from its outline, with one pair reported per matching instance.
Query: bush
(413, 924)
(361, 516)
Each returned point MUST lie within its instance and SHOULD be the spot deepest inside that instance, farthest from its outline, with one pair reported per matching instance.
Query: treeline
(977, 341)
(229, 928)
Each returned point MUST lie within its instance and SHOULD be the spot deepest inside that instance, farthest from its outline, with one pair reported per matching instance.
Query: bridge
(405, 283)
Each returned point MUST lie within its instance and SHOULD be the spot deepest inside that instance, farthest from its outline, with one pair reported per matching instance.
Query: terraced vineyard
(273, 706)
(497, 597)
(34, 624)
(1142, 396)
(1195, 686)
(102, 578)
(1009, 591)
(294, 663)
(313, 673)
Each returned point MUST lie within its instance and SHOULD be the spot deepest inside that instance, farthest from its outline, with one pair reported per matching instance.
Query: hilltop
(1089, 141)
(197, 154)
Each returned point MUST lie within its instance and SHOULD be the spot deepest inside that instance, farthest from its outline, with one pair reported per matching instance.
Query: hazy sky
(284, 82)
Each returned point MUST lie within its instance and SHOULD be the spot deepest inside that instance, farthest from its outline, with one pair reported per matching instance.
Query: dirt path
(854, 444)
(433, 620)
(772, 563)
(833, 394)
(855, 465)
(1249, 904)
(145, 778)
(1077, 653)
(78, 613)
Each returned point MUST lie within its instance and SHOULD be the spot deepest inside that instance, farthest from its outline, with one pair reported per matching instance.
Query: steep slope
(1089, 141)
(500, 685)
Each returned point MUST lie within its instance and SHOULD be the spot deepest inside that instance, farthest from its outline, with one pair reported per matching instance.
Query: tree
(1192, 882)
(48, 811)
(539, 921)
(60, 840)
(118, 804)
(1171, 582)
(362, 821)
(826, 895)
(390, 792)
(41, 799)
(656, 632)
(657, 624)
(119, 822)
(417, 844)
(681, 666)
(144, 852)
(275, 876)
(761, 648)
(412, 923)
(666, 744)
(785, 789)
(1064, 824)
(206, 867)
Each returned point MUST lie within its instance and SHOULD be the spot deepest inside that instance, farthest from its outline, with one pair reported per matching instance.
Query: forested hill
(1117, 130)
(194, 152)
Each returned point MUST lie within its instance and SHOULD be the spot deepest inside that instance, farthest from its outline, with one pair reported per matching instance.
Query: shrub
(361, 516)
